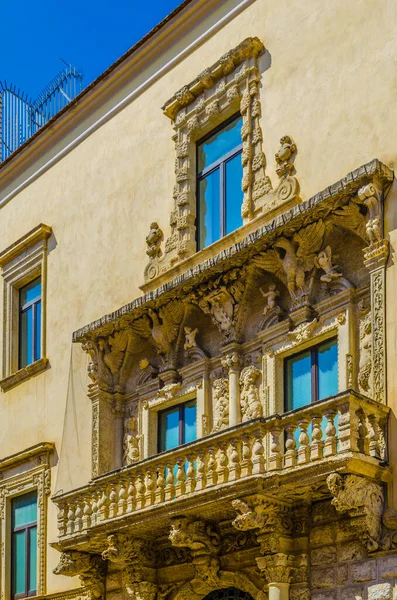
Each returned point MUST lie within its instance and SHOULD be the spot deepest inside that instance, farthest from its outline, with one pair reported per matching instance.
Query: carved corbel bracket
(204, 542)
(89, 567)
(362, 499)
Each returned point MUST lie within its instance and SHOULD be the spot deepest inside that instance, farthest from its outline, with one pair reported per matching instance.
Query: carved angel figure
(291, 259)
(220, 392)
(251, 406)
(131, 441)
(365, 363)
(323, 261)
(270, 296)
(190, 338)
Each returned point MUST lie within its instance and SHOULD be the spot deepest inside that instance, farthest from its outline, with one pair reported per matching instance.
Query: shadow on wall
(74, 469)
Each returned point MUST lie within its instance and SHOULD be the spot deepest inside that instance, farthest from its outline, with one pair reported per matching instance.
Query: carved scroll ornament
(89, 567)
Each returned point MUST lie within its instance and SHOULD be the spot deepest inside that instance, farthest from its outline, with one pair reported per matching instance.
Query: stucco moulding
(238, 254)
(249, 48)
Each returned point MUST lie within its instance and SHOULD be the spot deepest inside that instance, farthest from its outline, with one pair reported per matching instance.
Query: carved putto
(285, 155)
(190, 338)
(131, 440)
(220, 397)
(270, 296)
(251, 406)
(365, 363)
(323, 261)
(197, 535)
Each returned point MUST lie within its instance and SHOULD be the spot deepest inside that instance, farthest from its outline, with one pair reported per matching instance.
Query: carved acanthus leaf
(89, 567)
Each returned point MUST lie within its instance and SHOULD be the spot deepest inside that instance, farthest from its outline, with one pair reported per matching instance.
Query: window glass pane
(19, 562)
(169, 429)
(189, 428)
(26, 336)
(37, 339)
(209, 209)
(32, 558)
(24, 510)
(234, 193)
(219, 144)
(30, 292)
(327, 369)
(299, 380)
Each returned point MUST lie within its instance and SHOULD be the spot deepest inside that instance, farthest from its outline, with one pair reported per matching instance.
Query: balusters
(180, 486)
(317, 445)
(190, 475)
(304, 449)
(113, 498)
(275, 458)
(201, 477)
(170, 485)
(212, 476)
(290, 446)
(258, 461)
(87, 512)
(103, 505)
(150, 484)
(70, 519)
(246, 464)
(159, 494)
(131, 496)
(95, 510)
(62, 519)
(234, 460)
(123, 497)
(330, 444)
(222, 470)
(140, 491)
(78, 517)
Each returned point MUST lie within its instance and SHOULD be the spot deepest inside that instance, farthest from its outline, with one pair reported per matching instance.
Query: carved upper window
(219, 178)
(312, 375)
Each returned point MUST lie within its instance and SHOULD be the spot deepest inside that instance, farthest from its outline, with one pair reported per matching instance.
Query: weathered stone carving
(131, 440)
(251, 406)
(323, 261)
(293, 260)
(285, 155)
(204, 543)
(270, 296)
(277, 568)
(362, 498)
(365, 363)
(89, 567)
(304, 331)
(220, 397)
(370, 195)
(190, 338)
(220, 298)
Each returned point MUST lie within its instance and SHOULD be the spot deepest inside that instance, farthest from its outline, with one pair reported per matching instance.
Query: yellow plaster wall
(329, 81)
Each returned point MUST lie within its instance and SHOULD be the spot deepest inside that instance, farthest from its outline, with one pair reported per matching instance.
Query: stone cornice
(38, 234)
(249, 48)
(25, 455)
(237, 254)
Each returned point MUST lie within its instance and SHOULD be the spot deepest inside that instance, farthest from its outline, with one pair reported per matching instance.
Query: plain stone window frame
(22, 262)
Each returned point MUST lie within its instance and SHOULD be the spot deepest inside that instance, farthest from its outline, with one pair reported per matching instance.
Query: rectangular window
(30, 323)
(311, 375)
(177, 425)
(219, 182)
(24, 545)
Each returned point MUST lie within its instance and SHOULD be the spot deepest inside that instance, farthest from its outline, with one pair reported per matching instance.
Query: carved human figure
(323, 261)
(271, 297)
(369, 195)
(131, 441)
(153, 240)
(190, 338)
(365, 364)
(220, 393)
(251, 406)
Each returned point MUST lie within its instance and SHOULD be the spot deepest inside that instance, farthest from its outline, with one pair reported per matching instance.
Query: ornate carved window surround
(228, 87)
(27, 471)
(22, 262)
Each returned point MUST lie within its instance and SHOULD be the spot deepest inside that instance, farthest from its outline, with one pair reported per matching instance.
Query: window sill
(23, 374)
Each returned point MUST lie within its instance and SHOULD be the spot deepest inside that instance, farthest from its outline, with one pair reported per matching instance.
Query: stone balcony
(287, 457)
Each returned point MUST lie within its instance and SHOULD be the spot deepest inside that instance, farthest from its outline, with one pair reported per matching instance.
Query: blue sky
(89, 34)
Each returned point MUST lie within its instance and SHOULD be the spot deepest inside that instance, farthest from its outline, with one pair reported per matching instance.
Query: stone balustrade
(344, 424)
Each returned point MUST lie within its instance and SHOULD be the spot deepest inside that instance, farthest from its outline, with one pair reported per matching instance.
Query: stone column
(232, 362)
(277, 569)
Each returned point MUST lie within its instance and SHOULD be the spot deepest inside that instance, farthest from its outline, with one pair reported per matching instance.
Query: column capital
(232, 361)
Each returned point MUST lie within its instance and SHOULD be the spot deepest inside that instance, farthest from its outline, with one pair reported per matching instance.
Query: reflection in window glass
(299, 381)
(327, 369)
(219, 183)
(177, 425)
(24, 545)
(30, 323)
